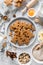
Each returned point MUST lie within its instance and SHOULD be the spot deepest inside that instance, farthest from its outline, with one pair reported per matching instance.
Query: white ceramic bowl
(26, 63)
(38, 36)
(37, 61)
(34, 13)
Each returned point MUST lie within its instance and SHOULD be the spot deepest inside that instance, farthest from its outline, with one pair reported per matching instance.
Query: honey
(31, 12)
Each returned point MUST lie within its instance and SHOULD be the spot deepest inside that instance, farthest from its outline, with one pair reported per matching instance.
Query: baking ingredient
(38, 52)
(40, 35)
(31, 12)
(12, 55)
(5, 17)
(24, 58)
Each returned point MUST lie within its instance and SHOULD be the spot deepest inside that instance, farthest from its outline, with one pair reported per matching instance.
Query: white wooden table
(6, 61)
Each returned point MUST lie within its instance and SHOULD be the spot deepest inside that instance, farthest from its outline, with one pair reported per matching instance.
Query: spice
(24, 58)
(18, 3)
(12, 55)
(14, 15)
(5, 17)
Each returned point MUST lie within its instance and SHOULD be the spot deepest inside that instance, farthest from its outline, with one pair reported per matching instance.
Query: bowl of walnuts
(24, 58)
(16, 3)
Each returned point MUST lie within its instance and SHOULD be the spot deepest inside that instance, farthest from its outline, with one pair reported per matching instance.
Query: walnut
(8, 2)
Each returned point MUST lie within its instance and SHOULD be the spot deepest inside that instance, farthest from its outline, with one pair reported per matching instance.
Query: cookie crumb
(5, 17)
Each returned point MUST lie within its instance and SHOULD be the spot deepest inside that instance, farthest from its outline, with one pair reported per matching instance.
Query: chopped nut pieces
(18, 3)
(38, 52)
(24, 58)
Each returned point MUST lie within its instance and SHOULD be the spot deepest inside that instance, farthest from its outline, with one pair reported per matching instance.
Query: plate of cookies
(16, 3)
(21, 32)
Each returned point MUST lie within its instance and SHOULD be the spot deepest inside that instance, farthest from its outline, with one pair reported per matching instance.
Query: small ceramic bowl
(28, 63)
(40, 36)
(37, 61)
(33, 14)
